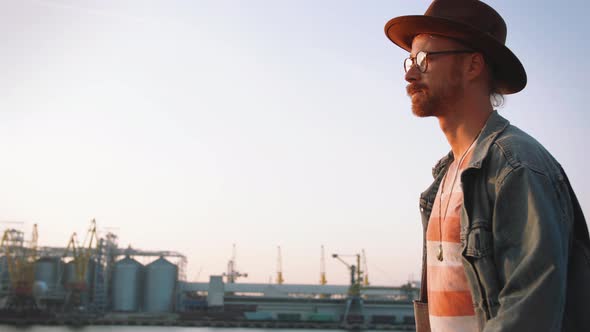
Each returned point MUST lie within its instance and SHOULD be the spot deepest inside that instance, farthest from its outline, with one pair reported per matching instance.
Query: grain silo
(70, 273)
(127, 282)
(4, 275)
(160, 284)
(48, 270)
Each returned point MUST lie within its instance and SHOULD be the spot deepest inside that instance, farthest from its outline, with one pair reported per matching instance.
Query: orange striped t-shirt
(449, 298)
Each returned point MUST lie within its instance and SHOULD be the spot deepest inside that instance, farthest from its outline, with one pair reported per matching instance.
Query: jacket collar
(493, 127)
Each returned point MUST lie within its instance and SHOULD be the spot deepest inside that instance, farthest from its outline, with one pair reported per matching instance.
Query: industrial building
(104, 283)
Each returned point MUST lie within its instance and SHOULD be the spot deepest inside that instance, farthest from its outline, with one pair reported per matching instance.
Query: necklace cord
(442, 189)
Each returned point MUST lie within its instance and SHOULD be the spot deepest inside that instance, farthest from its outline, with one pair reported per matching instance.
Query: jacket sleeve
(531, 243)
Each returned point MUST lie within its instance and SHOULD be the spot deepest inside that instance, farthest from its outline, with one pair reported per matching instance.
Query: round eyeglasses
(421, 59)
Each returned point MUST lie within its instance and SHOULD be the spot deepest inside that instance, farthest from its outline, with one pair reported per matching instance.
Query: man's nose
(412, 74)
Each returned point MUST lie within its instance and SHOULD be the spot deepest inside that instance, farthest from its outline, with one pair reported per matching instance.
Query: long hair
(496, 97)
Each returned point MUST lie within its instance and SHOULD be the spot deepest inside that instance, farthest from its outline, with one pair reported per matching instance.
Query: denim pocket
(479, 240)
(479, 251)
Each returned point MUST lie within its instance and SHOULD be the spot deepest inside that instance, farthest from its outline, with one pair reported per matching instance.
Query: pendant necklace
(439, 256)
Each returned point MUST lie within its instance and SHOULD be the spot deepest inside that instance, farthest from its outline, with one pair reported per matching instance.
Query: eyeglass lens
(419, 60)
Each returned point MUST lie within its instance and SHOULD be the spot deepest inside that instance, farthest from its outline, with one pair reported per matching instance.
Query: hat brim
(508, 71)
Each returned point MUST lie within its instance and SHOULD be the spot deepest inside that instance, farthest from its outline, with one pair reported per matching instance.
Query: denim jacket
(524, 239)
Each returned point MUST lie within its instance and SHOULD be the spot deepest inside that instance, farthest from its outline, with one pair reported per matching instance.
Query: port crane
(365, 269)
(20, 261)
(82, 254)
(356, 274)
(232, 273)
(81, 258)
(323, 279)
(353, 312)
(280, 279)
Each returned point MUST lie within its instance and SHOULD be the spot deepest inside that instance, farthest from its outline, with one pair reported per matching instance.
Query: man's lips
(414, 88)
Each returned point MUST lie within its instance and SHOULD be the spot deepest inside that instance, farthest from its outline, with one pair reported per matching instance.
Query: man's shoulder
(519, 149)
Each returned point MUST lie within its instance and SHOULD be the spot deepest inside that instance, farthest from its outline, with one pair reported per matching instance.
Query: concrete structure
(215, 291)
(293, 290)
(390, 305)
(399, 312)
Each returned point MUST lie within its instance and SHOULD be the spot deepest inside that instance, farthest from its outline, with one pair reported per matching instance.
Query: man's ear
(476, 66)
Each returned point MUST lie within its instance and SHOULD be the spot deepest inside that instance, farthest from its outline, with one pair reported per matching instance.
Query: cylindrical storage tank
(127, 275)
(69, 274)
(48, 270)
(4, 274)
(159, 286)
(70, 277)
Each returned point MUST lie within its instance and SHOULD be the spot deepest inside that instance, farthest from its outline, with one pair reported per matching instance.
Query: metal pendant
(440, 253)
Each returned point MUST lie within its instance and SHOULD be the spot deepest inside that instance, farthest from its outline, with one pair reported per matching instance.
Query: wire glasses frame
(421, 59)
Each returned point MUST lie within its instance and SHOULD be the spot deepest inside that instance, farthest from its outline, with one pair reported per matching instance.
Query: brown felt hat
(473, 23)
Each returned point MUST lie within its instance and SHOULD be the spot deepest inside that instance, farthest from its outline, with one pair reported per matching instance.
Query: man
(506, 245)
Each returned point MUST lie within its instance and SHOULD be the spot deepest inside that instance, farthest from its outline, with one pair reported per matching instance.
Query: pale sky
(193, 125)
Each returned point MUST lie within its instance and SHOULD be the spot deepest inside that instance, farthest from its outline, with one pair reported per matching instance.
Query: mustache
(414, 87)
